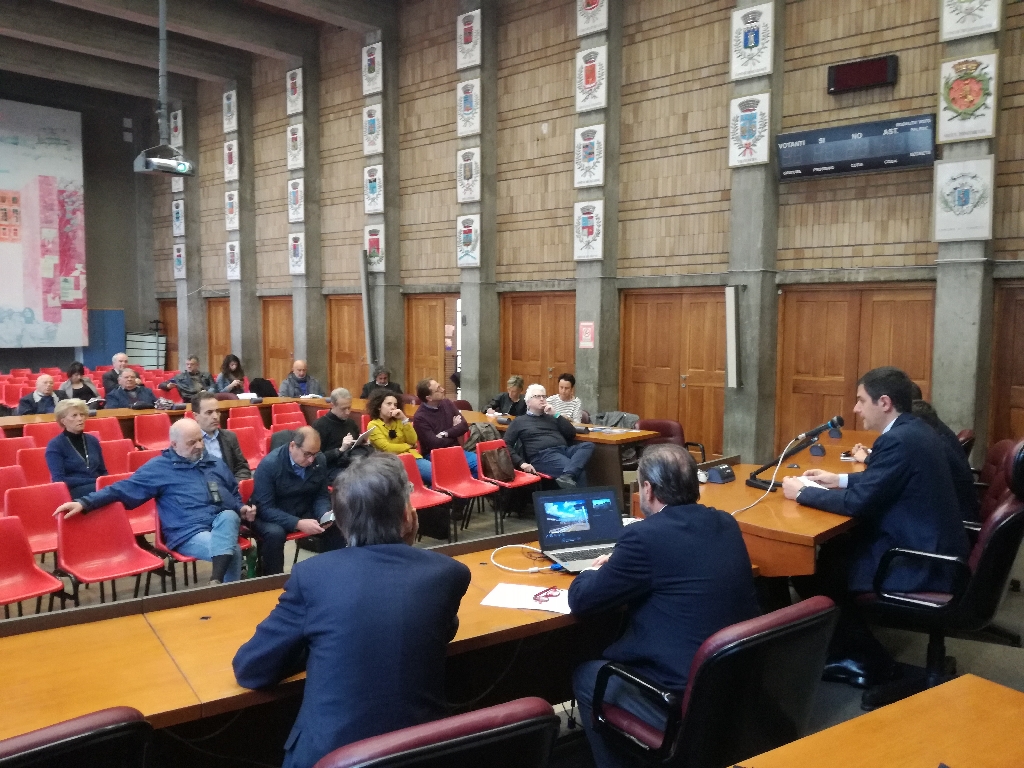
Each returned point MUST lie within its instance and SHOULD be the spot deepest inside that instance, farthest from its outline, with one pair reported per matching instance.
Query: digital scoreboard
(886, 145)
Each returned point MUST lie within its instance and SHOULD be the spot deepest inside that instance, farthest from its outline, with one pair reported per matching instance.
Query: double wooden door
(1008, 364)
(538, 335)
(831, 336)
(346, 339)
(673, 360)
(169, 321)
(278, 338)
(430, 340)
(218, 333)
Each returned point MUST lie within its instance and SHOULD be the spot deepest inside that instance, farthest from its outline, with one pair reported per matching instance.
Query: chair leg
(195, 573)
(39, 604)
(138, 584)
(103, 598)
(296, 558)
(184, 570)
(74, 592)
(20, 612)
(7, 611)
(113, 591)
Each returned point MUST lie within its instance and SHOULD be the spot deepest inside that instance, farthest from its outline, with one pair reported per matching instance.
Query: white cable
(537, 569)
(782, 458)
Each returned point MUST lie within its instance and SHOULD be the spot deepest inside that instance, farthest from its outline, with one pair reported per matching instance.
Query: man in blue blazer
(370, 623)
(683, 571)
(904, 498)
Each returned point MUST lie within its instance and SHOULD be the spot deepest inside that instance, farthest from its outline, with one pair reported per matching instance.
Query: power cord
(535, 569)
(782, 458)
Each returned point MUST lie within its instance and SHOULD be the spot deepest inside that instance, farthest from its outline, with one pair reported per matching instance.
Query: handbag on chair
(497, 465)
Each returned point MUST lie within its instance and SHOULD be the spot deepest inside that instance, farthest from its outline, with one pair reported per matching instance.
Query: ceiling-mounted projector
(164, 159)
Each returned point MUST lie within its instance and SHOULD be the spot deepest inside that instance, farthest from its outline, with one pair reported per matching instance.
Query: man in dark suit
(43, 400)
(110, 378)
(381, 380)
(370, 623)
(290, 494)
(683, 571)
(129, 392)
(219, 442)
(905, 498)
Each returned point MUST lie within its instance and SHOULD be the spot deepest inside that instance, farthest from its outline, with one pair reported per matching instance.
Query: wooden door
(538, 337)
(702, 364)
(425, 339)
(169, 320)
(278, 338)
(896, 328)
(218, 332)
(1008, 364)
(650, 383)
(346, 354)
(560, 339)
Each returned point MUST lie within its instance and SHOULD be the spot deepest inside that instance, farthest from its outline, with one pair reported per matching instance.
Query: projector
(164, 159)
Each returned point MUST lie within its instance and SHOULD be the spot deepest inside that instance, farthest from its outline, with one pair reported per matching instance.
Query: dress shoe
(565, 481)
(850, 671)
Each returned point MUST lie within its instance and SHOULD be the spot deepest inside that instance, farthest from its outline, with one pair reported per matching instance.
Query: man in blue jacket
(904, 498)
(290, 494)
(43, 400)
(129, 392)
(684, 574)
(196, 498)
(369, 623)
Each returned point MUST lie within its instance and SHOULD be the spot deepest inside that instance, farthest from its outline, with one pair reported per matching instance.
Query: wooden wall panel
(269, 125)
(424, 339)
(879, 219)
(210, 177)
(169, 319)
(674, 177)
(218, 333)
(277, 338)
(341, 157)
(1008, 364)
(536, 122)
(427, 81)
(346, 343)
(1009, 145)
(538, 337)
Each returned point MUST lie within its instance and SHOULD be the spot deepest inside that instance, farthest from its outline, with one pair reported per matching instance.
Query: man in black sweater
(542, 442)
(339, 434)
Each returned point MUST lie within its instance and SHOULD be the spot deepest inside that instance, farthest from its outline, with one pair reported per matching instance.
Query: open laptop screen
(578, 516)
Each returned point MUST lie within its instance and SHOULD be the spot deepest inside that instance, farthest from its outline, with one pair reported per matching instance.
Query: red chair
(99, 547)
(246, 410)
(256, 422)
(172, 558)
(118, 736)
(521, 480)
(463, 405)
(171, 394)
(137, 458)
(966, 439)
(20, 577)
(143, 518)
(21, 371)
(52, 371)
(286, 427)
(10, 477)
(43, 431)
(518, 733)
(364, 422)
(115, 455)
(277, 408)
(251, 445)
(288, 417)
(992, 480)
(450, 473)
(9, 449)
(321, 412)
(12, 394)
(669, 432)
(245, 489)
(106, 427)
(35, 505)
(422, 498)
(33, 461)
(152, 432)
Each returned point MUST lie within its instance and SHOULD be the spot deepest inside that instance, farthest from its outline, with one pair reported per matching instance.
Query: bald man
(43, 400)
(291, 496)
(299, 383)
(196, 498)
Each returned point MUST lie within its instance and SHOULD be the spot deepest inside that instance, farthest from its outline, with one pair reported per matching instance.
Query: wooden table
(965, 722)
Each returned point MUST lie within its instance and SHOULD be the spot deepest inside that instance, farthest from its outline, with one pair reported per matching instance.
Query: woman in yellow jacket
(392, 431)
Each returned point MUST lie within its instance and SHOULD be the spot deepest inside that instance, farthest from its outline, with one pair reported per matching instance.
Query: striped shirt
(568, 409)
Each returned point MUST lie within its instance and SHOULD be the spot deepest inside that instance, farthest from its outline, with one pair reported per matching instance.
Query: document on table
(530, 598)
(808, 483)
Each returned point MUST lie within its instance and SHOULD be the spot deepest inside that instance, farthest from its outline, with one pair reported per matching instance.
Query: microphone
(833, 423)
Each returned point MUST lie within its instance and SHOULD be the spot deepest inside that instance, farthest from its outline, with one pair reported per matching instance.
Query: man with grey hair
(196, 496)
(129, 392)
(381, 380)
(42, 400)
(541, 441)
(120, 362)
(370, 624)
(683, 573)
(339, 435)
(510, 402)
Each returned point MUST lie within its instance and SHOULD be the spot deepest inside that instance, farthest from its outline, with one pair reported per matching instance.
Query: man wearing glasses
(290, 495)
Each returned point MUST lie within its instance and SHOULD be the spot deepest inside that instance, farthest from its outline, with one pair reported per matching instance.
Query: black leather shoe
(565, 481)
(850, 671)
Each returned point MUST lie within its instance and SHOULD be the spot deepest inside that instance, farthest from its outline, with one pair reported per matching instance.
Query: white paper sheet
(521, 596)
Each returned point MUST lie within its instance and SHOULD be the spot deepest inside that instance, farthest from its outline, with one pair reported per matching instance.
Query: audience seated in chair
(110, 378)
(231, 377)
(130, 392)
(339, 433)
(219, 443)
(74, 457)
(438, 423)
(392, 431)
(565, 402)
(78, 384)
(510, 402)
(43, 400)
(543, 442)
(381, 380)
(191, 381)
(299, 383)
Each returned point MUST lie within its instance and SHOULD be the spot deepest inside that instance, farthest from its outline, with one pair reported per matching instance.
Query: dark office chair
(669, 432)
(966, 438)
(991, 482)
(464, 405)
(409, 400)
(585, 417)
(750, 690)
(979, 585)
(518, 734)
(111, 738)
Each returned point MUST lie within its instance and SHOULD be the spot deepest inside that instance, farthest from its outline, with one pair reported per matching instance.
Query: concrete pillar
(191, 306)
(145, 266)
(597, 296)
(387, 307)
(480, 331)
(962, 346)
(749, 428)
(245, 308)
(309, 308)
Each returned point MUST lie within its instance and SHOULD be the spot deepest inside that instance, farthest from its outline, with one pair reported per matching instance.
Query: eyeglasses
(544, 595)
(309, 454)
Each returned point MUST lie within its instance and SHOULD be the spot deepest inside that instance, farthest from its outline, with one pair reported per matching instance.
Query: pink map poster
(42, 228)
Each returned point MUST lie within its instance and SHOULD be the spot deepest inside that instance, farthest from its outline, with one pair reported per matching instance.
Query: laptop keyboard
(584, 554)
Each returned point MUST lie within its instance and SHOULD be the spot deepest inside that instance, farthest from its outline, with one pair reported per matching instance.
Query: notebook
(577, 525)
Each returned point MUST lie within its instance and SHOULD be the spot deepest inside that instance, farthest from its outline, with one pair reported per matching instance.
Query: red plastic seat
(35, 505)
(137, 458)
(277, 408)
(288, 417)
(100, 546)
(9, 449)
(171, 558)
(364, 422)
(251, 445)
(106, 427)
(33, 461)
(43, 431)
(143, 518)
(450, 473)
(152, 431)
(20, 577)
(10, 477)
(286, 427)
(246, 410)
(12, 394)
(115, 455)
(321, 412)
(521, 479)
(422, 497)
(245, 489)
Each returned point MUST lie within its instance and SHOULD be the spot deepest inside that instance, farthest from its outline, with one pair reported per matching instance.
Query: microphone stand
(767, 485)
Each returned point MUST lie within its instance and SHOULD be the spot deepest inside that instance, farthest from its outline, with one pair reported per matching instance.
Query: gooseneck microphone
(834, 423)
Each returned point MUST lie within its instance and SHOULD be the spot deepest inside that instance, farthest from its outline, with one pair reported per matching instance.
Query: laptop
(577, 525)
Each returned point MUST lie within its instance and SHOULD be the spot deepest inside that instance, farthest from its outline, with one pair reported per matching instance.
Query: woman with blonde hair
(74, 456)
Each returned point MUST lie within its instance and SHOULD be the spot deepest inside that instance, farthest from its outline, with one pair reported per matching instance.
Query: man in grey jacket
(191, 381)
(300, 383)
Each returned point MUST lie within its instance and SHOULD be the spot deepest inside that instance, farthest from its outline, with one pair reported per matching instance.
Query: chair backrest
(116, 453)
(752, 684)
(16, 560)
(145, 511)
(669, 431)
(449, 465)
(463, 405)
(152, 427)
(9, 449)
(225, 396)
(107, 427)
(517, 734)
(966, 438)
(10, 477)
(43, 431)
(33, 461)
(137, 458)
(35, 505)
(364, 422)
(287, 417)
(245, 489)
(409, 399)
(277, 408)
(251, 442)
(110, 737)
(412, 470)
(254, 422)
(992, 473)
(282, 435)
(246, 410)
(321, 412)
(103, 535)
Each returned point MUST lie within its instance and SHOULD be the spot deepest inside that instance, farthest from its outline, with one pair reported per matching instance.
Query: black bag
(497, 465)
(480, 432)
(262, 388)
